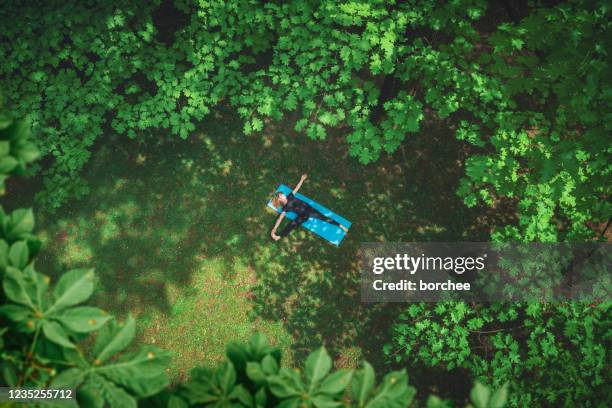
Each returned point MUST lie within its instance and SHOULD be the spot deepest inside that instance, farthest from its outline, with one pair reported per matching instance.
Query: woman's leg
(292, 225)
(316, 214)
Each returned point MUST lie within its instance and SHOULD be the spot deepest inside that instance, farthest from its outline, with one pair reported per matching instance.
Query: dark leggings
(302, 218)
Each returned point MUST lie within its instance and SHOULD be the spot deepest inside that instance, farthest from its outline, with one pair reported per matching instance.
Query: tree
(44, 340)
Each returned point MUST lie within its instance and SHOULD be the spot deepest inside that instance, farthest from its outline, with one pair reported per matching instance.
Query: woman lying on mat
(302, 209)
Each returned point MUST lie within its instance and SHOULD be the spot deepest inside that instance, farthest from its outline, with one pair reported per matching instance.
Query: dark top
(297, 206)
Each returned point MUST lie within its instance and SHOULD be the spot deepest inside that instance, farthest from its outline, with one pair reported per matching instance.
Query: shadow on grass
(159, 209)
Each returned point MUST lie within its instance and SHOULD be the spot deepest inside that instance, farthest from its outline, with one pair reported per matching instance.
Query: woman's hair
(276, 199)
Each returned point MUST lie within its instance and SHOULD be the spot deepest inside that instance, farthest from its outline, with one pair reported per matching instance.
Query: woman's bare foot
(344, 228)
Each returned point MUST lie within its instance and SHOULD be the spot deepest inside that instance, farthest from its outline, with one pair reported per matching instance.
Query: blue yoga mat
(325, 230)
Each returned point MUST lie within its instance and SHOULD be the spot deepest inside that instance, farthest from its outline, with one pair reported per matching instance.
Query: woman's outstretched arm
(278, 221)
(299, 184)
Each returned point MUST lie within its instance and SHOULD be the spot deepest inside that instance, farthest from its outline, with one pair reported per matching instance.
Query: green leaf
(258, 343)
(114, 395)
(177, 402)
(114, 339)
(90, 393)
(480, 395)
(286, 384)
(19, 254)
(269, 365)
(4, 250)
(226, 377)
(237, 354)
(143, 373)
(83, 319)
(5, 120)
(15, 313)
(261, 398)
(435, 402)
(318, 365)
(394, 388)
(28, 153)
(498, 400)
(2, 331)
(71, 378)
(15, 287)
(9, 374)
(241, 394)
(54, 332)
(7, 164)
(21, 222)
(255, 373)
(363, 383)
(335, 383)
(322, 401)
(74, 287)
(5, 147)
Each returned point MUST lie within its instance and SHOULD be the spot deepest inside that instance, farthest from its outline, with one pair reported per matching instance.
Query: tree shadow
(313, 287)
(159, 208)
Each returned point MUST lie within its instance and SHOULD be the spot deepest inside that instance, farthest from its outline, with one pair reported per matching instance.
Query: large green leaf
(323, 401)
(261, 398)
(83, 319)
(15, 287)
(115, 396)
(113, 338)
(19, 254)
(363, 383)
(144, 373)
(335, 383)
(7, 164)
(16, 313)
(480, 395)
(318, 365)
(74, 287)
(226, 377)
(269, 365)
(286, 384)
(28, 152)
(5, 147)
(177, 402)
(70, 378)
(255, 373)
(393, 392)
(201, 389)
(21, 222)
(258, 344)
(499, 397)
(4, 251)
(90, 393)
(54, 332)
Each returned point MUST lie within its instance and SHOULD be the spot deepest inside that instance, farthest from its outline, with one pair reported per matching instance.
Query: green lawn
(179, 235)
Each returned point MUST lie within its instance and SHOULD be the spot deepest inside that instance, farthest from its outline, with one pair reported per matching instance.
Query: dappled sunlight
(183, 238)
(211, 312)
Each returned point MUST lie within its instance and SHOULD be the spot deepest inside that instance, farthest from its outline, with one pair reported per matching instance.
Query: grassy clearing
(179, 235)
(206, 314)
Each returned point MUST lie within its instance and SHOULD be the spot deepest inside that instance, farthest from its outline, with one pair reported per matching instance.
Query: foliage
(544, 134)
(533, 99)
(530, 98)
(45, 342)
(46, 334)
(252, 376)
(17, 150)
(557, 346)
(44, 331)
(532, 95)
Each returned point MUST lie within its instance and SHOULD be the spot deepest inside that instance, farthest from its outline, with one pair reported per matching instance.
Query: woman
(301, 208)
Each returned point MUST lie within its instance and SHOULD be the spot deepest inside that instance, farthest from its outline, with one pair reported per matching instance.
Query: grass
(179, 235)
(204, 317)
